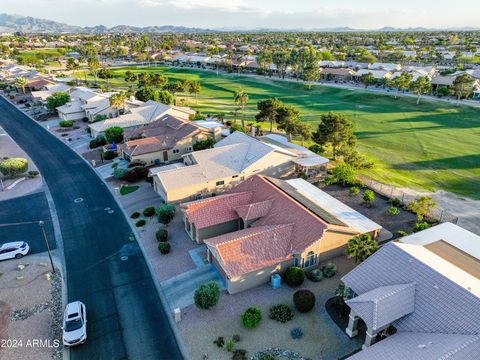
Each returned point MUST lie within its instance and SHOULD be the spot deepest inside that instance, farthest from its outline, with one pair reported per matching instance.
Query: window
(220, 183)
(296, 262)
(175, 151)
(310, 260)
(188, 149)
(234, 176)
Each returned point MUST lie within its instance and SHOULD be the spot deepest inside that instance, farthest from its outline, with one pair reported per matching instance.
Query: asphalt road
(27, 209)
(105, 267)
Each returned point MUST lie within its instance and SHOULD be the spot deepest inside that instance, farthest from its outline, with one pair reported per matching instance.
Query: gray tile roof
(382, 306)
(423, 346)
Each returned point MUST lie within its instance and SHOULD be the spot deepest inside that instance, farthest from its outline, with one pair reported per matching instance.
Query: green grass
(430, 146)
(47, 52)
(125, 190)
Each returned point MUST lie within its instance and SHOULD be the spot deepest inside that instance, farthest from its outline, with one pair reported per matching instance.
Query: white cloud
(229, 5)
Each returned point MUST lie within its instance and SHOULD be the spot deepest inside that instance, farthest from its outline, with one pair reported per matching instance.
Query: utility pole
(41, 224)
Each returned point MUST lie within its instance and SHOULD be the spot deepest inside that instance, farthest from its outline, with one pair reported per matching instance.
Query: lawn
(125, 190)
(430, 146)
(49, 52)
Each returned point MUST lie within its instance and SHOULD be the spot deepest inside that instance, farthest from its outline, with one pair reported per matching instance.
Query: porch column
(351, 329)
(370, 337)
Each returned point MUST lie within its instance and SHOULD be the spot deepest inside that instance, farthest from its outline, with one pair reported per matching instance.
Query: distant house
(377, 74)
(42, 94)
(264, 225)
(139, 115)
(83, 103)
(213, 171)
(337, 74)
(164, 140)
(427, 288)
(441, 81)
(39, 83)
(386, 67)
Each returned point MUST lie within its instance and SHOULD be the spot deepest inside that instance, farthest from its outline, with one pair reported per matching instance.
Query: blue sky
(308, 14)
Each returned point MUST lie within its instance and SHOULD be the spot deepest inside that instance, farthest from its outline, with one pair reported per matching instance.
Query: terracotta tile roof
(215, 210)
(255, 210)
(253, 248)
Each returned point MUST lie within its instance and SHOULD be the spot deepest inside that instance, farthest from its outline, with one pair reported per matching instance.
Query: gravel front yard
(322, 338)
(30, 310)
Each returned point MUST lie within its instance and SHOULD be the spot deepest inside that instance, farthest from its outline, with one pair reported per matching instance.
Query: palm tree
(360, 247)
(118, 101)
(241, 99)
(21, 82)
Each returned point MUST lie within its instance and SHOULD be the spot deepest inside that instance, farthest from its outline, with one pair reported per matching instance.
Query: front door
(165, 156)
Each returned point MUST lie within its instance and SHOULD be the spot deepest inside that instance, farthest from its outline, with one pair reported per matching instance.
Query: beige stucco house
(264, 225)
(162, 141)
(213, 171)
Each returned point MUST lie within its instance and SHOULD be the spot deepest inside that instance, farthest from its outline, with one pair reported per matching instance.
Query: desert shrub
(32, 174)
(420, 226)
(315, 275)
(329, 270)
(401, 233)
(394, 211)
(354, 190)
(135, 215)
(130, 176)
(165, 213)
(164, 248)
(109, 155)
(317, 149)
(239, 354)
(281, 312)
(304, 300)
(368, 197)
(220, 341)
(140, 223)
(236, 338)
(93, 144)
(229, 345)
(149, 211)
(101, 140)
(142, 172)
(13, 166)
(161, 235)
(294, 276)
(395, 202)
(66, 123)
(119, 173)
(329, 180)
(251, 317)
(296, 333)
(206, 295)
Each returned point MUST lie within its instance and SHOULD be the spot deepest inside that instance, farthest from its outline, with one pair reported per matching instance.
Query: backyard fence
(393, 192)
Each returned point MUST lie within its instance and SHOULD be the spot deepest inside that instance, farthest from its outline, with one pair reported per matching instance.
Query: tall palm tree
(117, 101)
(21, 82)
(360, 247)
(241, 99)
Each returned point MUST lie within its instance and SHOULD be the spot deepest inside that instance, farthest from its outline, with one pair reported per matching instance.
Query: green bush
(93, 144)
(118, 173)
(281, 312)
(251, 317)
(401, 233)
(354, 190)
(329, 180)
(32, 174)
(130, 176)
(164, 248)
(229, 345)
(315, 275)
(66, 123)
(394, 211)
(149, 211)
(13, 166)
(140, 223)
(329, 270)
(206, 295)
(266, 357)
(420, 226)
(294, 276)
(304, 300)
(101, 140)
(114, 134)
(109, 155)
(239, 354)
(203, 144)
(368, 197)
(161, 235)
(395, 202)
(317, 149)
(165, 213)
(135, 215)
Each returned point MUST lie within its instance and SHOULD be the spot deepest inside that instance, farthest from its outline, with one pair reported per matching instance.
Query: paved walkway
(106, 171)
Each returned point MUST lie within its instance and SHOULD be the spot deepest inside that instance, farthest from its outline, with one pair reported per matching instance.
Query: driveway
(105, 267)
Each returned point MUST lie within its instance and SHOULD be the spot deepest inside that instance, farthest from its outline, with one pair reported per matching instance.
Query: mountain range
(27, 24)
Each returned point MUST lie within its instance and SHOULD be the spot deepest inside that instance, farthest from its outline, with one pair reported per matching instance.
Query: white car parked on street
(74, 324)
(16, 250)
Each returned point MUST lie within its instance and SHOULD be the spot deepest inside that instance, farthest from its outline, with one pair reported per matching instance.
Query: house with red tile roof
(264, 225)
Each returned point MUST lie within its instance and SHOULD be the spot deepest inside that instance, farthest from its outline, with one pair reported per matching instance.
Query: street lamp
(41, 224)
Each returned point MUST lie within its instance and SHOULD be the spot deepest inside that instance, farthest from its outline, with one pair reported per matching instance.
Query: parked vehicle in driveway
(74, 324)
(11, 250)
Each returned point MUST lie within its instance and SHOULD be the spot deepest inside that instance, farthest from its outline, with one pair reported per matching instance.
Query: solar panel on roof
(310, 205)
